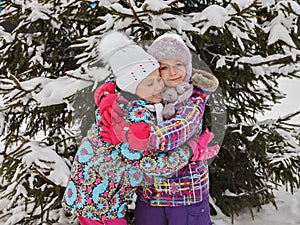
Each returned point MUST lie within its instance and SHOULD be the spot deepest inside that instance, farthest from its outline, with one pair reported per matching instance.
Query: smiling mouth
(175, 79)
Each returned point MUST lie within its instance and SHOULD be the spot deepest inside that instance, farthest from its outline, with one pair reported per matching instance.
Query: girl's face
(151, 87)
(172, 71)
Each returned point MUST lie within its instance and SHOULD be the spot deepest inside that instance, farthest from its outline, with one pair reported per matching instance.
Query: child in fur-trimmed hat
(176, 70)
(188, 189)
(119, 148)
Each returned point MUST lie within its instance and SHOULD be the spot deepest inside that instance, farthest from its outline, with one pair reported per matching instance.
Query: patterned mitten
(108, 88)
(115, 129)
(201, 150)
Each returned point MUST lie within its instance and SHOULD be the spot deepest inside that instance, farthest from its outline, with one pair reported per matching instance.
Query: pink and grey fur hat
(171, 46)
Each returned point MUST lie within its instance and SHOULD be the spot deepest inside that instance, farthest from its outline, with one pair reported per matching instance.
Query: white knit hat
(130, 63)
(171, 46)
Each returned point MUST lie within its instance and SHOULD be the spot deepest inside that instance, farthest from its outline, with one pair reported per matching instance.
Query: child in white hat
(163, 202)
(107, 169)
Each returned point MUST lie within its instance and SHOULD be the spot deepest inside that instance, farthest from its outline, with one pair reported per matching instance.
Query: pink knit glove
(101, 91)
(115, 129)
(136, 134)
(201, 150)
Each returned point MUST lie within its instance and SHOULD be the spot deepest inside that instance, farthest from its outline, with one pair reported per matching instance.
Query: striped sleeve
(198, 91)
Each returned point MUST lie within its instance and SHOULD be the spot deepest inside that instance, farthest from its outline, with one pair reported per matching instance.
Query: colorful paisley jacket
(104, 176)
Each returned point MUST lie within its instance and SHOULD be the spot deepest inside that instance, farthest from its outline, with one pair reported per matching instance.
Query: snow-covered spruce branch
(19, 151)
(78, 78)
(240, 12)
(19, 85)
(134, 13)
(16, 81)
(292, 9)
(265, 124)
(227, 193)
(36, 169)
(287, 117)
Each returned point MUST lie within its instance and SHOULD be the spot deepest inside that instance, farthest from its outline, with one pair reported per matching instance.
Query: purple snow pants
(196, 214)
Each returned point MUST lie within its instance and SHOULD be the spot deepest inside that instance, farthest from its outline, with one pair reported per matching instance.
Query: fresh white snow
(287, 214)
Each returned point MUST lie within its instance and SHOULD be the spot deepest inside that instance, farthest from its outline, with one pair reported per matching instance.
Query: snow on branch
(44, 90)
(284, 23)
(47, 162)
(6, 36)
(279, 31)
(58, 90)
(212, 16)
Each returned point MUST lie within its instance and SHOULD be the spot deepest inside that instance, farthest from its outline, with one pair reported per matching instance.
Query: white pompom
(111, 43)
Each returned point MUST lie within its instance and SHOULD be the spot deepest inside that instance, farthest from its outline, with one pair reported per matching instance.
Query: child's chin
(172, 84)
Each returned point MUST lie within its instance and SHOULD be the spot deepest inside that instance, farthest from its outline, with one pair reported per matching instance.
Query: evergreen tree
(49, 69)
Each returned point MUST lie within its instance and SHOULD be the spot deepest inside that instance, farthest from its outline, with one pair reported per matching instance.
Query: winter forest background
(49, 69)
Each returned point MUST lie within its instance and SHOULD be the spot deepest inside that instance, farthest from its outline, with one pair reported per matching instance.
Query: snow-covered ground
(287, 214)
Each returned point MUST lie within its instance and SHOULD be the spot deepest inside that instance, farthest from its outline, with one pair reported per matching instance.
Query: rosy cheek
(162, 85)
(163, 75)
